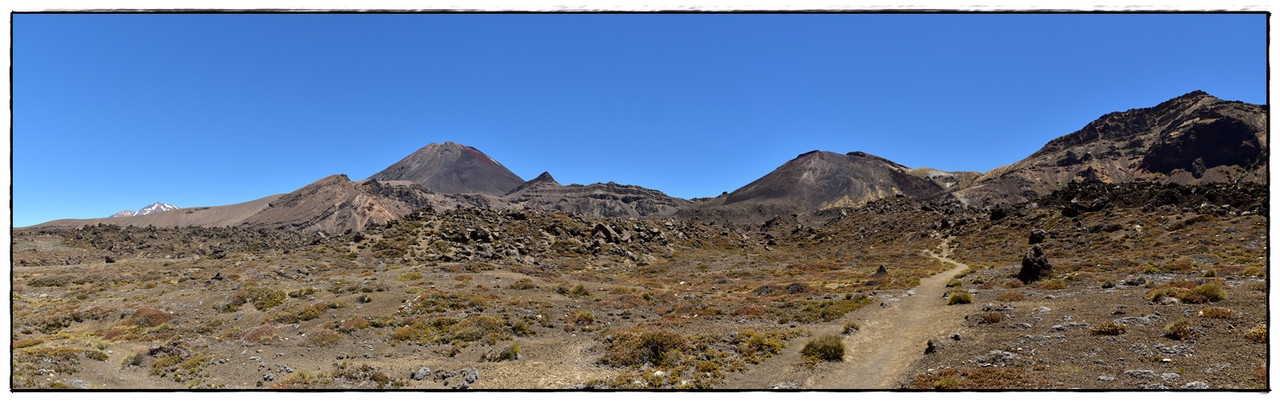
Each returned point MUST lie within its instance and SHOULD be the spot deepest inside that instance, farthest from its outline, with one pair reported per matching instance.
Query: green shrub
(1179, 329)
(1110, 328)
(960, 297)
(826, 347)
(953, 283)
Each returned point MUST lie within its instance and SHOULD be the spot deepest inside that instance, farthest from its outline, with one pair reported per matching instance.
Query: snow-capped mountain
(147, 210)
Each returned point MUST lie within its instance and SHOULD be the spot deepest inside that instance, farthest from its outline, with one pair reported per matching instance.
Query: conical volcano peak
(452, 168)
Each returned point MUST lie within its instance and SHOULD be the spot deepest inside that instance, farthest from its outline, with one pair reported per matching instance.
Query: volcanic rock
(1035, 265)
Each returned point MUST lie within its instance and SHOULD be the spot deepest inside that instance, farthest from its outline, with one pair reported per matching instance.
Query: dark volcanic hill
(820, 179)
(452, 168)
(600, 199)
(1192, 139)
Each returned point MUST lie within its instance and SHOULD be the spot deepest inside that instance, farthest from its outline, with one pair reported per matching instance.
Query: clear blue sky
(113, 112)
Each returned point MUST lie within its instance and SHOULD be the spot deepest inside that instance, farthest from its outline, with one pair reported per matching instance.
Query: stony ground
(484, 299)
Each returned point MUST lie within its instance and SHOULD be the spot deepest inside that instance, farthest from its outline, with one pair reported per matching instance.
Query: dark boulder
(605, 233)
(1037, 236)
(882, 272)
(932, 346)
(797, 288)
(1035, 265)
(420, 374)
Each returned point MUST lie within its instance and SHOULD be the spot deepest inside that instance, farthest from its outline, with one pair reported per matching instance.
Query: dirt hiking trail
(893, 337)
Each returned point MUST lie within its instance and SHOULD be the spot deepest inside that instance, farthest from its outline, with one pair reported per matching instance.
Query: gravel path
(893, 337)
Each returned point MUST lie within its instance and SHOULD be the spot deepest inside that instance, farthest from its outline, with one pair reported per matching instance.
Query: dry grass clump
(1257, 334)
(981, 378)
(1217, 312)
(147, 317)
(581, 318)
(262, 298)
(1254, 270)
(364, 376)
(448, 303)
(660, 348)
(755, 347)
(303, 380)
(960, 297)
(1188, 292)
(511, 352)
(1110, 328)
(304, 292)
(824, 348)
(262, 333)
(576, 291)
(19, 344)
(1011, 297)
(953, 283)
(1179, 329)
(448, 330)
(750, 310)
(323, 337)
(352, 324)
(311, 312)
(1053, 284)
(991, 318)
(523, 284)
(849, 328)
(409, 276)
(818, 311)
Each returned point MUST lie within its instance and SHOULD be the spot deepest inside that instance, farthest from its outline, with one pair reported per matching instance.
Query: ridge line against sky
(114, 112)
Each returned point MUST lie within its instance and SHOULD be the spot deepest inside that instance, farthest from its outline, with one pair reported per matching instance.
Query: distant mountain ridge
(599, 199)
(147, 210)
(1192, 139)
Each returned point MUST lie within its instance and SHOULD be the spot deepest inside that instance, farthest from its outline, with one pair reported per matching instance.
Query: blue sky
(113, 111)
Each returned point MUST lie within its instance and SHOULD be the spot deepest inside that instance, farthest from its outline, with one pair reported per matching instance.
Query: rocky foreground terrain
(1161, 286)
(1130, 254)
